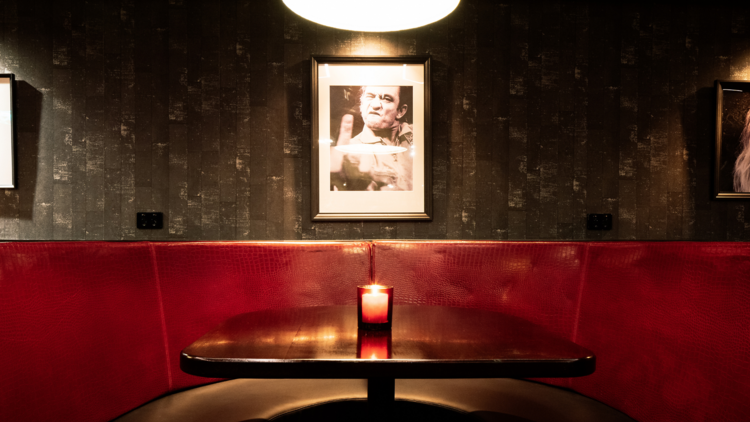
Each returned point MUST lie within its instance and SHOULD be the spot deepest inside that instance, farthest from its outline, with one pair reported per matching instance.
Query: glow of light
(381, 16)
(328, 74)
(369, 149)
(325, 141)
(403, 75)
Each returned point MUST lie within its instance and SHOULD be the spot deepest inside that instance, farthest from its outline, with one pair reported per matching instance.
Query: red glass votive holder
(374, 307)
(374, 344)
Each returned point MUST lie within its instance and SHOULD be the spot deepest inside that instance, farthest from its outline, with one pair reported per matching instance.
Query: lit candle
(375, 307)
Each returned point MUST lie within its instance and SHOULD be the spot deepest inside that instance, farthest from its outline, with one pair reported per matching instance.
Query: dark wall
(542, 111)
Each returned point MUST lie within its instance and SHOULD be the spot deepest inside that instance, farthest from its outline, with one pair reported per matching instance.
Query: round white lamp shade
(373, 16)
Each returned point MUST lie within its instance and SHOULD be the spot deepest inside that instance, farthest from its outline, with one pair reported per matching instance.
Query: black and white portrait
(372, 131)
(372, 134)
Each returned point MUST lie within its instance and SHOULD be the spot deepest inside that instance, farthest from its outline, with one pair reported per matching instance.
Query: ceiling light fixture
(380, 16)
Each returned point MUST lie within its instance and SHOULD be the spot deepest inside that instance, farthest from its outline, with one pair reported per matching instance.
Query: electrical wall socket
(599, 222)
(150, 220)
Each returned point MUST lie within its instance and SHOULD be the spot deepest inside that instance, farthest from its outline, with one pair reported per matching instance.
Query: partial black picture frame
(372, 206)
(732, 140)
(8, 171)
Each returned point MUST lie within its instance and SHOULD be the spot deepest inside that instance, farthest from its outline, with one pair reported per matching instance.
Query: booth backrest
(670, 325)
(205, 283)
(80, 331)
(91, 330)
(536, 281)
(669, 322)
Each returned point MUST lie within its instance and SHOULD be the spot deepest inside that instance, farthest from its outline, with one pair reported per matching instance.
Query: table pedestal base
(381, 391)
(381, 399)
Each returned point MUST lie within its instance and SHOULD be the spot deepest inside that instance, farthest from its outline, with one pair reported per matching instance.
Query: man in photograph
(742, 163)
(383, 110)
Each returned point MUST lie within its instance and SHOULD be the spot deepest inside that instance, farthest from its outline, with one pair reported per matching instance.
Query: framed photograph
(732, 165)
(371, 138)
(7, 155)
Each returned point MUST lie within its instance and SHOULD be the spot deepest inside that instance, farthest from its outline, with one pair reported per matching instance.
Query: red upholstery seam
(370, 247)
(161, 312)
(584, 274)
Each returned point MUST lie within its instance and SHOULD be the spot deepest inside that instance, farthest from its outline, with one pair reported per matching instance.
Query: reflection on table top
(426, 342)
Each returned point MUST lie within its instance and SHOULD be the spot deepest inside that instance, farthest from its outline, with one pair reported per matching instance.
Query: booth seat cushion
(245, 400)
(480, 399)
(509, 399)
(362, 410)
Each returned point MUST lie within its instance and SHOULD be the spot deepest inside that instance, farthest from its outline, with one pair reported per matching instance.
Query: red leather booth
(92, 330)
(669, 322)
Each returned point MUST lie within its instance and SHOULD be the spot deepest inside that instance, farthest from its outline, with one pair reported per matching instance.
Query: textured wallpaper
(542, 112)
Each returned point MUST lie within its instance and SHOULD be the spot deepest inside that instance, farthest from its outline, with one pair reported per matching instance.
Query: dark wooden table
(426, 342)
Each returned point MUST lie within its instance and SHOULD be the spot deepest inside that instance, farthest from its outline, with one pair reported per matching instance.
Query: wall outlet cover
(599, 222)
(150, 220)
